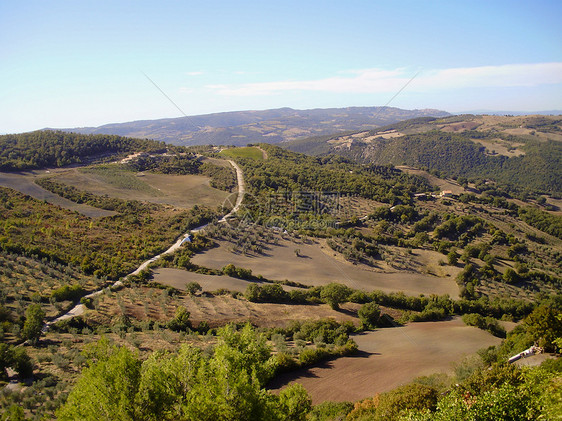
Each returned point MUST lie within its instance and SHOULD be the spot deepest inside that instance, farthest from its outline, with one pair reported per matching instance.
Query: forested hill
(522, 152)
(47, 148)
(269, 126)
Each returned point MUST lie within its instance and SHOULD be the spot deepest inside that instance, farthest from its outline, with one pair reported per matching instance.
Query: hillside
(271, 126)
(327, 259)
(524, 152)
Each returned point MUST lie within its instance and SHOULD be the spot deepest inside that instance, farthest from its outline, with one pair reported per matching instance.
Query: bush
(180, 323)
(193, 288)
(334, 294)
(273, 293)
(327, 411)
(68, 292)
(369, 314)
(309, 356)
(409, 397)
(486, 323)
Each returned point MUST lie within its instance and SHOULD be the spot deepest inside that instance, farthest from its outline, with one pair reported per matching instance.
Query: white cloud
(385, 81)
(194, 73)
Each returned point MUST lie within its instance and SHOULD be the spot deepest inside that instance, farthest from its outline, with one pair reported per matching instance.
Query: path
(79, 309)
(241, 191)
(263, 152)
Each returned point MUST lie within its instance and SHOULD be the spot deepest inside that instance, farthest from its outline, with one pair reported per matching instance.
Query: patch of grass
(119, 177)
(245, 152)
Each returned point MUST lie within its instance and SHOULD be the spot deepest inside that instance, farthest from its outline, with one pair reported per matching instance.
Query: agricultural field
(244, 152)
(23, 182)
(389, 358)
(317, 264)
(182, 191)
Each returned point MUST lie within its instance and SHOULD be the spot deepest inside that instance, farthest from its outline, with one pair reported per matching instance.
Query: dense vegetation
(457, 156)
(56, 149)
(429, 143)
(286, 171)
(108, 247)
(227, 383)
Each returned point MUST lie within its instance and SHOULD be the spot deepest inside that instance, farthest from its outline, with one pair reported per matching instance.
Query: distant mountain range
(269, 126)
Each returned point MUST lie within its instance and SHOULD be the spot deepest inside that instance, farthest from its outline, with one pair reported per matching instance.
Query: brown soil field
(154, 304)
(319, 265)
(389, 358)
(23, 182)
(183, 191)
(179, 278)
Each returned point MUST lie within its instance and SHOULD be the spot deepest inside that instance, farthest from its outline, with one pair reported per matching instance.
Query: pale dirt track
(389, 358)
(80, 308)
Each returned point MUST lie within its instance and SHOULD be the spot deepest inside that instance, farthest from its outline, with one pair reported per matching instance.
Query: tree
(453, 257)
(180, 322)
(369, 314)
(187, 385)
(33, 324)
(510, 276)
(193, 288)
(106, 389)
(545, 326)
(334, 294)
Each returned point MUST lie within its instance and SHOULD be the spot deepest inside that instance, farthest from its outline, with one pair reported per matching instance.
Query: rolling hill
(270, 126)
(524, 152)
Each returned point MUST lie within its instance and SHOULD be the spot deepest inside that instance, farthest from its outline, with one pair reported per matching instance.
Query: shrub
(409, 397)
(486, 323)
(369, 314)
(68, 292)
(180, 322)
(330, 411)
(334, 294)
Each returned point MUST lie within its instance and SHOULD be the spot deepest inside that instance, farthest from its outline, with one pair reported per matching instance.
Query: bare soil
(23, 182)
(389, 358)
(182, 191)
(319, 265)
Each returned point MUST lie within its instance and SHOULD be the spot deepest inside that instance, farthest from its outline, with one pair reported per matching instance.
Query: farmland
(390, 358)
(318, 265)
(353, 293)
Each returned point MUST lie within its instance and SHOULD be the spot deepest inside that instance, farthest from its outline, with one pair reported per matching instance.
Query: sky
(88, 63)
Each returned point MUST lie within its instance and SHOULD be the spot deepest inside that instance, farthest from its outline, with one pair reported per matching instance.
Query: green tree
(453, 257)
(193, 288)
(369, 314)
(334, 294)
(180, 322)
(34, 316)
(107, 388)
(510, 276)
(545, 326)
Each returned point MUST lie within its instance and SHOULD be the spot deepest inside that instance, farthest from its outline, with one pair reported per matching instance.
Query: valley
(171, 248)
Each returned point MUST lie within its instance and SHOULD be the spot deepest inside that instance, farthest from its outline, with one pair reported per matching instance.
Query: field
(23, 182)
(389, 358)
(245, 152)
(317, 264)
(144, 304)
(183, 191)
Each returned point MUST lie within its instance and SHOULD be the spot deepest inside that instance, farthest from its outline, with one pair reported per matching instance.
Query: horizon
(98, 63)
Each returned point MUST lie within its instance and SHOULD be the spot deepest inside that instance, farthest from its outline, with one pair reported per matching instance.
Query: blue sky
(81, 63)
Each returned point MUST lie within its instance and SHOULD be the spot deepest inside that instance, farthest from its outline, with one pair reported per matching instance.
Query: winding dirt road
(79, 309)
